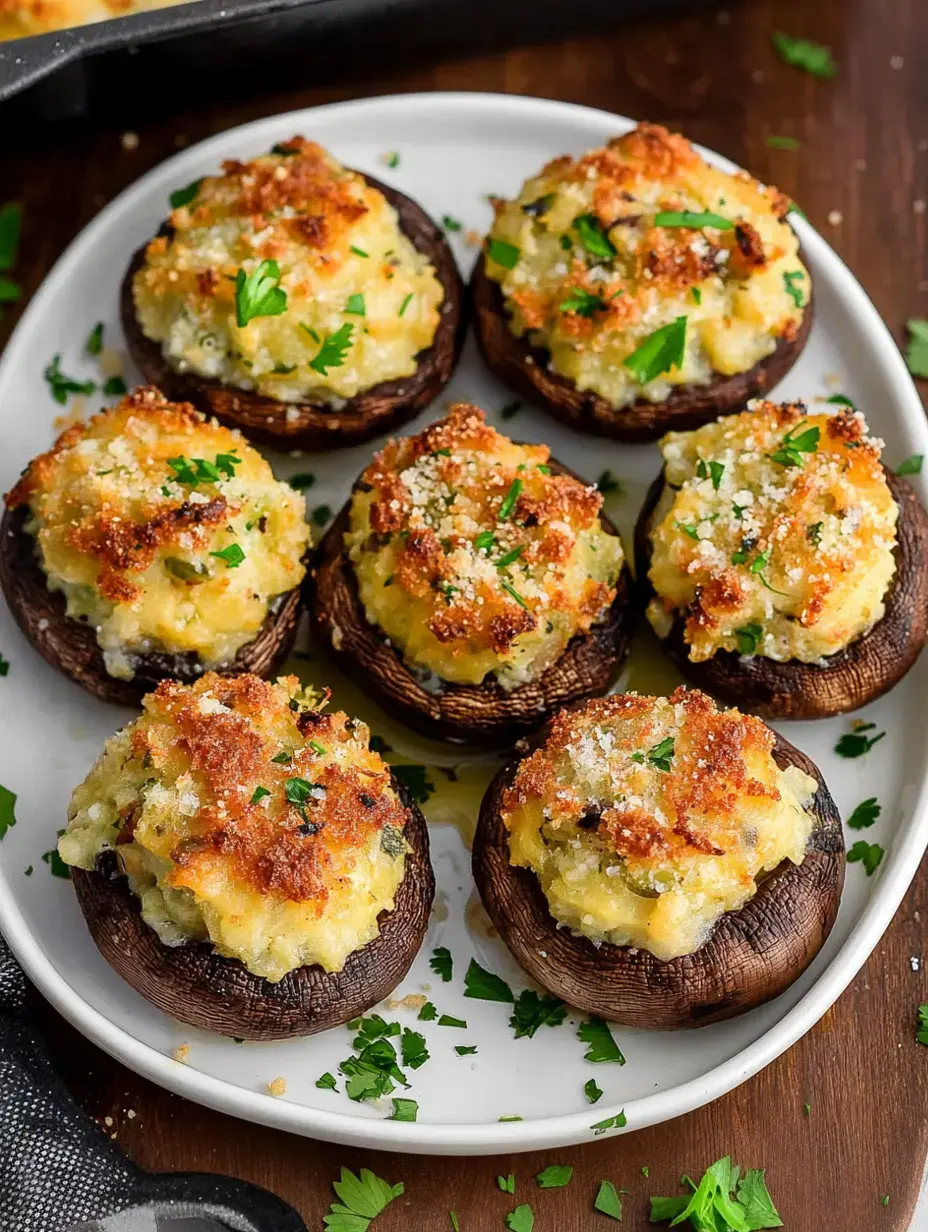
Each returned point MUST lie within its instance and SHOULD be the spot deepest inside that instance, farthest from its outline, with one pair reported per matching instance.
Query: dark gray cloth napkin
(60, 1173)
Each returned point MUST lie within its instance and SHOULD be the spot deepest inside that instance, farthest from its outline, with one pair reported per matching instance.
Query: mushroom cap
(483, 714)
(751, 956)
(850, 678)
(72, 647)
(196, 985)
(524, 368)
(314, 425)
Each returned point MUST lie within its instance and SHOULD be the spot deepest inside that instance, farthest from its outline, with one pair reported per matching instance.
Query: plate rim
(563, 1129)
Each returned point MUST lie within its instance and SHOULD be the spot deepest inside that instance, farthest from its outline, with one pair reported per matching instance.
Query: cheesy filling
(163, 530)
(774, 534)
(243, 815)
(645, 819)
(592, 261)
(352, 303)
(474, 556)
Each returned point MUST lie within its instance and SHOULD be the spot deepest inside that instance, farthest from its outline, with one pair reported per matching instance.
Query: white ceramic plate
(454, 149)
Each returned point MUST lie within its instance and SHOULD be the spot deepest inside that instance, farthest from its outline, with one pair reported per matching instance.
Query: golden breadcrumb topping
(347, 301)
(243, 814)
(164, 530)
(646, 818)
(598, 253)
(475, 556)
(774, 534)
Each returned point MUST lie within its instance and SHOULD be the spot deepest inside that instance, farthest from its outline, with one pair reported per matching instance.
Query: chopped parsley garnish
(428, 1012)
(660, 756)
(749, 638)
(855, 743)
(795, 444)
(7, 809)
(508, 1183)
(484, 541)
(511, 557)
(614, 1122)
(404, 1110)
(686, 218)
(333, 350)
(455, 1226)
(696, 294)
(510, 410)
(326, 1082)
(912, 465)
(916, 351)
(114, 385)
(503, 1119)
(392, 160)
(710, 470)
(503, 253)
(790, 278)
(4, 666)
(282, 757)
(259, 293)
(94, 344)
(865, 814)
(533, 1011)
(301, 482)
(361, 1199)
(921, 1034)
(513, 593)
(814, 58)
(198, 470)
(232, 555)
(607, 1201)
(867, 854)
(61, 386)
(688, 529)
(259, 794)
(442, 963)
(416, 781)
(298, 791)
(448, 1020)
(509, 500)
(723, 1198)
(596, 1033)
(807, 1110)
(483, 985)
(322, 514)
(307, 329)
(356, 306)
(358, 252)
(592, 1091)
(10, 291)
(522, 1219)
(814, 533)
(56, 865)
(450, 224)
(377, 744)
(775, 142)
(607, 482)
(405, 304)
(660, 351)
(11, 219)
(465, 1050)
(183, 196)
(555, 1176)
(840, 400)
(582, 303)
(317, 747)
(594, 239)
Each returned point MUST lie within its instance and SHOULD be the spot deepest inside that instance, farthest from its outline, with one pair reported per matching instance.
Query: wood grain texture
(865, 155)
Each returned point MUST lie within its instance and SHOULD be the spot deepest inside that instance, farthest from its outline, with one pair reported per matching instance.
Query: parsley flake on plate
(795, 444)
(413, 1049)
(94, 343)
(455, 1226)
(322, 514)
(450, 224)
(508, 1183)
(602, 1045)
(614, 1122)
(448, 1020)
(333, 350)
(259, 294)
(404, 1110)
(813, 58)
(607, 1200)
(912, 465)
(870, 855)
(781, 143)
(582, 303)
(326, 1082)
(183, 196)
(916, 352)
(533, 1011)
(61, 386)
(4, 666)
(865, 814)
(483, 985)
(356, 306)
(56, 865)
(416, 781)
(442, 964)
(302, 481)
(361, 1199)
(522, 1219)
(428, 1013)
(232, 555)
(592, 236)
(722, 1199)
(465, 1050)
(114, 386)
(592, 1091)
(660, 351)
(856, 743)
(921, 1034)
(555, 1176)
(510, 410)
(7, 809)
(687, 218)
(503, 253)
(608, 483)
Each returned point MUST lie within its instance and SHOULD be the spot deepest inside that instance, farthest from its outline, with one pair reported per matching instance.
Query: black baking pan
(217, 48)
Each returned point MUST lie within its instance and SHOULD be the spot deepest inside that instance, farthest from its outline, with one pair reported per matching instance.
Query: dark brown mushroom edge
(472, 585)
(798, 549)
(713, 964)
(149, 543)
(638, 289)
(345, 320)
(285, 869)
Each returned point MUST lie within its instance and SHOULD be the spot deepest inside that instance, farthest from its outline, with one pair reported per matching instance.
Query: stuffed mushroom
(787, 568)
(638, 288)
(303, 302)
(150, 542)
(659, 861)
(472, 585)
(246, 862)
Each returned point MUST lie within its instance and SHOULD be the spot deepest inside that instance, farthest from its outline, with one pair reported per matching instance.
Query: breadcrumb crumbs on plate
(413, 1001)
(181, 1053)
(277, 1086)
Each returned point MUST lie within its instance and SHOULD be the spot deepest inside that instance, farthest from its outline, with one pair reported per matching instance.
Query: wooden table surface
(862, 177)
